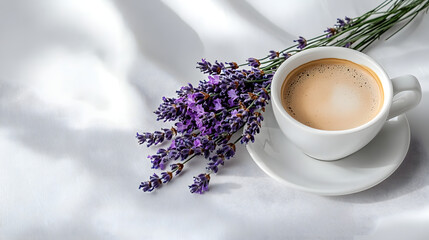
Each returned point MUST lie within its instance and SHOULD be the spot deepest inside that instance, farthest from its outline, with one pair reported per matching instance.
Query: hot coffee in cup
(332, 94)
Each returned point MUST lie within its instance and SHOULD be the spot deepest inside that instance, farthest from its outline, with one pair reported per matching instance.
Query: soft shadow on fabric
(171, 43)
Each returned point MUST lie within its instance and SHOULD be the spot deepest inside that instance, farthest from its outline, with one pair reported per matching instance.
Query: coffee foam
(332, 94)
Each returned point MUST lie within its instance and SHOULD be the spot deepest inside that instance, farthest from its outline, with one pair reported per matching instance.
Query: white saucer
(282, 160)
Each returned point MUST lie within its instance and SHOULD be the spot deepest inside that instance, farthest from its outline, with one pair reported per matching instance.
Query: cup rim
(373, 65)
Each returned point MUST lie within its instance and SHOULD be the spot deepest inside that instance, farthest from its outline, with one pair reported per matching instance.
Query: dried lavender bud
(330, 32)
(348, 20)
(233, 65)
(217, 67)
(177, 168)
(204, 66)
(201, 184)
(286, 55)
(170, 110)
(166, 177)
(340, 23)
(273, 54)
(214, 163)
(302, 43)
(149, 186)
(146, 186)
(253, 62)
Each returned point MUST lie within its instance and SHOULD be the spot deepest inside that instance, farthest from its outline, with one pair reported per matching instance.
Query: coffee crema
(332, 94)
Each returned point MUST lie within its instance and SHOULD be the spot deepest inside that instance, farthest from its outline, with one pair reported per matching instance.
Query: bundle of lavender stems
(209, 120)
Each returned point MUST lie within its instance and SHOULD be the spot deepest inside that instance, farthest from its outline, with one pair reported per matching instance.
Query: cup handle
(407, 93)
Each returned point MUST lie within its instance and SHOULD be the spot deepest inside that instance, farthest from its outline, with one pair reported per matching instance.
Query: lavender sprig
(201, 183)
(232, 99)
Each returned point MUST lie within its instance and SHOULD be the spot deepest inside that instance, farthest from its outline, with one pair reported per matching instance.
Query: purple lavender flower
(201, 184)
(199, 110)
(217, 104)
(235, 121)
(254, 74)
(204, 66)
(340, 23)
(183, 92)
(214, 79)
(214, 163)
(253, 126)
(233, 65)
(193, 99)
(217, 67)
(286, 55)
(197, 143)
(302, 43)
(232, 94)
(170, 109)
(185, 153)
(182, 126)
(181, 147)
(348, 20)
(177, 168)
(156, 161)
(330, 32)
(166, 177)
(343, 23)
(253, 62)
(146, 186)
(263, 95)
(173, 154)
(209, 68)
(207, 146)
(156, 137)
(160, 159)
(348, 45)
(273, 54)
(145, 137)
(154, 182)
(206, 116)
(226, 150)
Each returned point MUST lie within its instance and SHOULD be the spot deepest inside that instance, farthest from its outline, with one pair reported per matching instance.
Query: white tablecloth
(78, 79)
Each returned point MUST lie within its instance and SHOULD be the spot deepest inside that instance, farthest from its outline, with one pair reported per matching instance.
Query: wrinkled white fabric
(78, 78)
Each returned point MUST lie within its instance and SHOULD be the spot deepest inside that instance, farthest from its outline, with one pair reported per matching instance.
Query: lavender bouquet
(233, 98)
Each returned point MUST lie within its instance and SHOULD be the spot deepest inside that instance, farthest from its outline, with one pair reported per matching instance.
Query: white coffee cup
(337, 144)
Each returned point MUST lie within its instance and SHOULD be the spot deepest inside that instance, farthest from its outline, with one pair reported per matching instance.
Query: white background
(78, 78)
